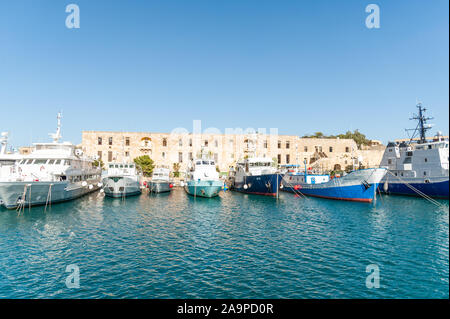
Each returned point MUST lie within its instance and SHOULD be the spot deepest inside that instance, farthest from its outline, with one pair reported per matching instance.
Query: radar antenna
(56, 136)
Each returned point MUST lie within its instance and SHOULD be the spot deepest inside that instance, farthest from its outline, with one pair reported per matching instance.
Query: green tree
(145, 163)
(176, 169)
(98, 163)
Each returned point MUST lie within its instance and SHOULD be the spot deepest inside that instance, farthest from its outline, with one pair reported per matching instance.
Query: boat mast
(3, 142)
(422, 126)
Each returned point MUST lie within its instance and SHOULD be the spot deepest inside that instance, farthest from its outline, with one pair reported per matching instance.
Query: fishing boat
(418, 166)
(52, 172)
(122, 180)
(160, 181)
(202, 179)
(358, 185)
(256, 175)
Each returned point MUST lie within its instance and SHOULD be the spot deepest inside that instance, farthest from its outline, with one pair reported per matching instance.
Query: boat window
(67, 162)
(57, 162)
(40, 161)
(409, 153)
(212, 162)
(29, 161)
(131, 165)
(111, 166)
(51, 162)
(121, 166)
(205, 162)
(407, 160)
(116, 166)
(198, 163)
(126, 166)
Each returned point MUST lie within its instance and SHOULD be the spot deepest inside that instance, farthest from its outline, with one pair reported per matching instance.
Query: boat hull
(203, 188)
(121, 186)
(159, 186)
(259, 185)
(41, 193)
(358, 186)
(434, 187)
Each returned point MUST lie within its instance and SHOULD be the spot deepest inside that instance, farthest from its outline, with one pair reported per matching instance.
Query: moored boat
(360, 185)
(160, 181)
(418, 167)
(256, 175)
(122, 180)
(202, 179)
(53, 172)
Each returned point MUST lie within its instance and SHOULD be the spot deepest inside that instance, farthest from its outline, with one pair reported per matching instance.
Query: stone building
(226, 149)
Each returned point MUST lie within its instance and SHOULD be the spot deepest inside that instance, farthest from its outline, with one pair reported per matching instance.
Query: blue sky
(299, 66)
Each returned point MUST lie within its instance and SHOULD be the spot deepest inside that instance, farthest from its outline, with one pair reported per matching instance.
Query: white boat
(53, 172)
(121, 180)
(160, 181)
(417, 167)
(202, 178)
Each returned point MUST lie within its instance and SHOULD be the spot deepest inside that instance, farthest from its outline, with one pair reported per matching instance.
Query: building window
(216, 157)
(180, 142)
(265, 144)
(231, 143)
(426, 159)
(206, 142)
(279, 158)
(279, 144)
(164, 142)
(99, 141)
(216, 143)
(190, 156)
(99, 153)
(127, 141)
(163, 155)
(331, 149)
(287, 158)
(318, 148)
(109, 156)
(288, 144)
(110, 141)
(347, 149)
(180, 157)
(127, 154)
(424, 173)
(389, 161)
(305, 148)
(190, 142)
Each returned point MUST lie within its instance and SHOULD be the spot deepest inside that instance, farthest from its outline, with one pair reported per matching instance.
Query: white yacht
(160, 181)
(121, 180)
(53, 172)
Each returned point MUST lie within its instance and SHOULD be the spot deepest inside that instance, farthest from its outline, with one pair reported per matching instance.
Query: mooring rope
(431, 200)
(297, 192)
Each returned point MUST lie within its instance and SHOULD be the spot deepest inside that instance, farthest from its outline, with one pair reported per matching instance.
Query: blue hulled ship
(418, 166)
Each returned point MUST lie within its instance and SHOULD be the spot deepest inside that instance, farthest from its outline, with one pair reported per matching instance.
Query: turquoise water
(233, 246)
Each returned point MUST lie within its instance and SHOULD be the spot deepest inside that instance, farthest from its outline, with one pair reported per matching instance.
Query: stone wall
(166, 149)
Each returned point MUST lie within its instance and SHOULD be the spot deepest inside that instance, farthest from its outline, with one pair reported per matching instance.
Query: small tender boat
(122, 180)
(160, 182)
(360, 185)
(202, 179)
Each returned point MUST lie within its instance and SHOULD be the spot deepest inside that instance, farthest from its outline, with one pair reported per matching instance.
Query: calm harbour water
(234, 246)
